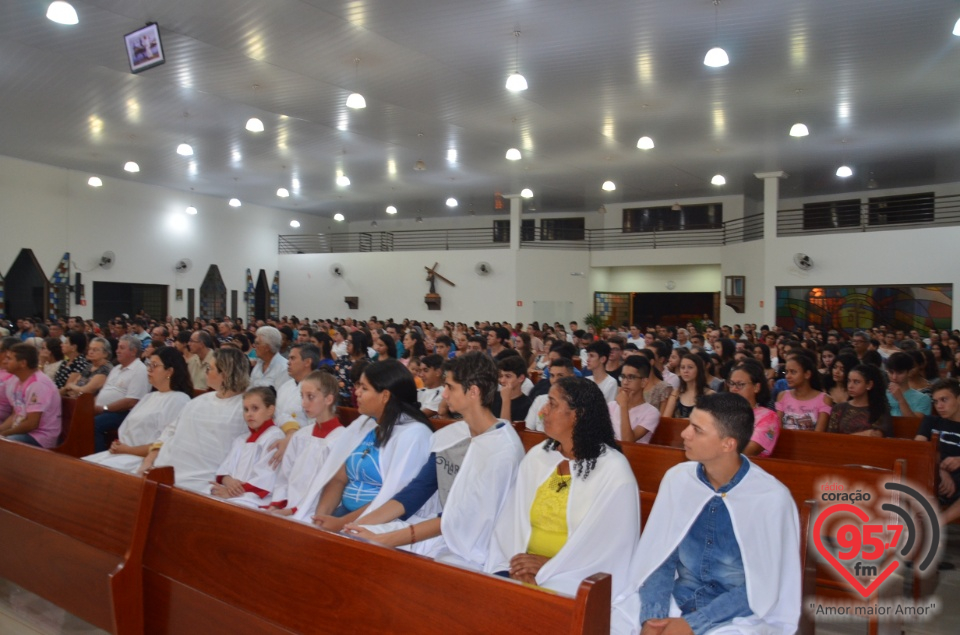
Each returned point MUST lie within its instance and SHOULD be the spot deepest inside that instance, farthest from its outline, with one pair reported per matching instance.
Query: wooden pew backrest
(77, 432)
(205, 573)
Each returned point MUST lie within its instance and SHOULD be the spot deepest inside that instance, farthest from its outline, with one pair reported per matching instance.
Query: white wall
(52, 211)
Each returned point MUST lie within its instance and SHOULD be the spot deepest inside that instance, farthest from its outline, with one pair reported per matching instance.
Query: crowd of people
(247, 414)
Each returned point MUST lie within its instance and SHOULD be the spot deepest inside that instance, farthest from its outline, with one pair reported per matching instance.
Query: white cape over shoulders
(767, 528)
(603, 524)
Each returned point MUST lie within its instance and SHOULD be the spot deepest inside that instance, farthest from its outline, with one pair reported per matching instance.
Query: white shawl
(400, 460)
(603, 524)
(767, 528)
(303, 459)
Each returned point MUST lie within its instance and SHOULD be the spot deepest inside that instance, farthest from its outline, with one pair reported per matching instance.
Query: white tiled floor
(23, 613)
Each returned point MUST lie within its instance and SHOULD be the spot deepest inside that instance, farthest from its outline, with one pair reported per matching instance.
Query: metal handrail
(832, 217)
(733, 231)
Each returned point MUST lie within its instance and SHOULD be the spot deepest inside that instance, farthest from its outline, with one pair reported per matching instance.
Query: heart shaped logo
(865, 591)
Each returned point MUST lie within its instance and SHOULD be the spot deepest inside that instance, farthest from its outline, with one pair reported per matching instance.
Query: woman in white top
(198, 441)
(172, 390)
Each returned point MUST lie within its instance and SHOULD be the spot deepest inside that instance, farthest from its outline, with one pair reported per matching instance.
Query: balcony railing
(870, 216)
(733, 231)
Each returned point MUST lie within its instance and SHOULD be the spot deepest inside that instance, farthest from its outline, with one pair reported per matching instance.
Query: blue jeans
(24, 438)
(104, 424)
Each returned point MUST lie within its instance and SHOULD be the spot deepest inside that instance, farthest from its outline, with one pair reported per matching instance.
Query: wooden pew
(75, 533)
(905, 427)
(77, 432)
(212, 568)
(843, 449)
(346, 415)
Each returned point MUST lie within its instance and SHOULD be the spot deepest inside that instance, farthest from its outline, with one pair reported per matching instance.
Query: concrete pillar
(516, 207)
(771, 199)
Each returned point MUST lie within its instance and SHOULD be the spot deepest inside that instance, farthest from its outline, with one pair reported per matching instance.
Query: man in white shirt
(636, 337)
(597, 355)
(431, 394)
(126, 385)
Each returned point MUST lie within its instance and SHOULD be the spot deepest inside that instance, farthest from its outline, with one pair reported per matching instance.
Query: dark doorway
(111, 299)
(191, 304)
(233, 303)
(26, 288)
(673, 309)
(262, 297)
(213, 295)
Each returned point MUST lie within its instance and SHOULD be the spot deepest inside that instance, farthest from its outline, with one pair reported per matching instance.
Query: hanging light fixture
(283, 192)
(185, 150)
(420, 166)
(234, 202)
(676, 207)
(391, 210)
(526, 193)
(191, 210)
(516, 82)
(645, 143)
(716, 57)
(844, 171)
(131, 166)
(452, 202)
(343, 180)
(294, 223)
(338, 217)
(94, 181)
(513, 154)
(956, 27)
(62, 13)
(799, 130)
(718, 179)
(608, 186)
(254, 125)
(356, 100)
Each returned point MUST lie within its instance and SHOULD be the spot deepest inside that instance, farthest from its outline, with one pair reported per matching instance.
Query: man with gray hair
(271, 367)
(126, 385)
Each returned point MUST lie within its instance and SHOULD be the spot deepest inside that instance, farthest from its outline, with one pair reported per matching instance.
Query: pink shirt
(643, 415)
(801, 415)
(5, 406)
(37, 394)
(766, 429)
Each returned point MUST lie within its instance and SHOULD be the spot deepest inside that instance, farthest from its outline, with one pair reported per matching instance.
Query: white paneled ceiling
(876, 82)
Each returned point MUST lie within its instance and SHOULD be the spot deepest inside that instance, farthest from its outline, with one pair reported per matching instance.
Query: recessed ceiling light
(513, 154)
(645, 143)
(356, 101)
(191, 210)
(844, 171)
(338, 217)
(526, 192)
(185, 150)
(94, 181)
(234, 202)
(452, 202)
(391, 209)
(718, 179)
(62, 13)
(716, 57)
(294, 224)
(131, 166)
(799, 130)
(343, 180)
(283, 192)
(254, 125)
(608, 186)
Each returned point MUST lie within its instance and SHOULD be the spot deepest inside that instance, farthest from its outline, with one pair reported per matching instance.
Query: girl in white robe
(387, 401)
(245, 477)
(603, 503)
(310, 446)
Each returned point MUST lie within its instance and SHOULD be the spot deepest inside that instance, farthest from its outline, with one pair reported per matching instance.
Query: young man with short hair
(560, 367)
(904, 401)
(722, 544)
(35, 401)
(510, 403)
(597, 355)
(497, 337)
(615, 363)
(443, 346)
(431, 394)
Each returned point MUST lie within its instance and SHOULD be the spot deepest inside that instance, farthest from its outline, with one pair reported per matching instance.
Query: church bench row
(75, 533)
(131, 556)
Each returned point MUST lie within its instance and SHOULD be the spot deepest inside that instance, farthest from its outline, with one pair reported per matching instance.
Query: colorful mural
(850, 308)
(58, 293)
(250, 299)
(614, 308)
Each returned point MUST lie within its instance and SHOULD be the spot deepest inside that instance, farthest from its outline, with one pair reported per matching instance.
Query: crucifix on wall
(433, 298)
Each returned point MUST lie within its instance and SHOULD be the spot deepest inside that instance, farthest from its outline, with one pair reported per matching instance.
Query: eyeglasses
(737, 385)
(626, 377)
(154, 366)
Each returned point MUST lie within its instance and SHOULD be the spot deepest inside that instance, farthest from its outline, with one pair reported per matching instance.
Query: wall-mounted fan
(183, 265)
(336, 269)
(803, 261)
(107, 259)
(483, 269)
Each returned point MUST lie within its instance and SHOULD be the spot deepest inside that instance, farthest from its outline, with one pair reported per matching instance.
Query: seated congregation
(434, 464)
